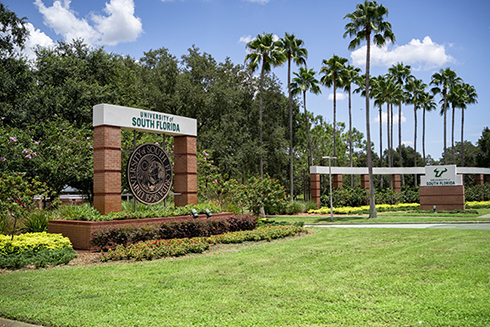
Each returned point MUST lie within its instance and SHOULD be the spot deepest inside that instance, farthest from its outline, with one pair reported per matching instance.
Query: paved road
(484, 226)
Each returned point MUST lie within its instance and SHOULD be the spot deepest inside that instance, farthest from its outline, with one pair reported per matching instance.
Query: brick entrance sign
(108, 120)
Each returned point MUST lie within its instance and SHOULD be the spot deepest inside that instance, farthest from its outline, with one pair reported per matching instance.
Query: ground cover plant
(333, 277)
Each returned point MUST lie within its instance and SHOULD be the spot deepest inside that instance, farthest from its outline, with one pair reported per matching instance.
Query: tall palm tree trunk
(400, 139)
(350, 138)
(445, 120)
(291, 168)
(310, 156)
(462, 138)
(423, 137)
(260, 120)
(452, 136)
(335, 122)
(415, 143)
(381, 141)
(372, 204)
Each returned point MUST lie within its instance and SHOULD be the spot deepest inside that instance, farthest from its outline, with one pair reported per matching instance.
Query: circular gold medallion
(149, 173)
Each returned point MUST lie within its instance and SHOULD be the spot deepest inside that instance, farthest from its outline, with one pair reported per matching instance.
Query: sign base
(443, 197)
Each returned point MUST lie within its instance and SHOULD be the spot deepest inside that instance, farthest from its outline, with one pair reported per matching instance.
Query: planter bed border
(80, 232)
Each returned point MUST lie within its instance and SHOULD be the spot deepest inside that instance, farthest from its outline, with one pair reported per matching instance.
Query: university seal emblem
(149, 173)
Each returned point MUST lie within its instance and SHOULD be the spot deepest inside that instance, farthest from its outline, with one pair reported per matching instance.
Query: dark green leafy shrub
(111, 237)
(40, 259)
(387, 196)
(478, 192)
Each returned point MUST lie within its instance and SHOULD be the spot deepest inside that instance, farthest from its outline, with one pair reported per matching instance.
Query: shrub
(17, 199)
(32, 242)
(387, 196)
(266, 192)
(40, 259)
(177, 247)
(111, 237)
(478, 192)
(35, 222)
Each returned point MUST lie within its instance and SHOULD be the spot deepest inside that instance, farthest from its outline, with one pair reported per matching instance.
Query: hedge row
(34, 242)
(177, 247)
(111, 237)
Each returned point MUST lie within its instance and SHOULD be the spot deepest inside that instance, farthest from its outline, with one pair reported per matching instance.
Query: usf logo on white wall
(441, 176)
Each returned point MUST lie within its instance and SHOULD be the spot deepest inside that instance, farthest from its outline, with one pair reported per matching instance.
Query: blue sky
(430, 35)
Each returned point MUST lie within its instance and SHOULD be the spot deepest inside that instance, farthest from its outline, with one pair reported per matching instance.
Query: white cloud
(36, 37)
(120, 24)
(421, 55)
(245, 39)
(384, 115)
(407, 143)
(340, 96)
(259, 1)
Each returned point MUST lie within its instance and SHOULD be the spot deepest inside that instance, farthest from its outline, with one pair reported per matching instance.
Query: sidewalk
(453, 225)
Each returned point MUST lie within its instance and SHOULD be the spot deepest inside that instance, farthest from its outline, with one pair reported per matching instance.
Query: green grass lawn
(332, 277)
(389, 217)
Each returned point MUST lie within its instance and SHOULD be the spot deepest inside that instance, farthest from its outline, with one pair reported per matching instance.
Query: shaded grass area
(334, 277)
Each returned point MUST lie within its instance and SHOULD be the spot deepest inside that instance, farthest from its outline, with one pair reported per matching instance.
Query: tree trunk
(335, 121)
(310, 157)
(452, 137)
(260, 119)
(381, 142)
(423, 137)
(350, 138)
(445, 110)
(291, 169)
(415, 143)
(462, 138)
(372, 204)
(400, 140)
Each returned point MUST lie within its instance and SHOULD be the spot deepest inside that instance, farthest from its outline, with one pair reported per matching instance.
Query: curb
(13, 323)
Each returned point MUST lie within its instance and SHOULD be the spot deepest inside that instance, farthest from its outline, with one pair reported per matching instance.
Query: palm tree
(427, 104)
(401, 73)
(294, 51)
(266, 52)
(415, 88)
(305, 81)
(366, 20)
(455, 97)
(333, 76)
(469, 97)
(444, 80)
(351, 76)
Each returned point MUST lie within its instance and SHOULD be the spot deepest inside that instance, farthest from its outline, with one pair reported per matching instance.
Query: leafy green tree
(13, 31)
(267, 53)
(305, 81)
(294, 52)
(483, 156)
(366, 21)
(333, 70)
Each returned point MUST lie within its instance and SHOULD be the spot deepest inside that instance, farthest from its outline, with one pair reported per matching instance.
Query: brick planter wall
(443, 197)
(80, 232)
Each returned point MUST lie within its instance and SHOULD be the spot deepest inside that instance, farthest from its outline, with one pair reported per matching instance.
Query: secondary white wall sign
(441, 176)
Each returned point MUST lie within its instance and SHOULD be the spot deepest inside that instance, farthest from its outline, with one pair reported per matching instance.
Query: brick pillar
(107, 169)
(365, 182)
(315, 188)
(397, 183)
(185, 170)
(479, 180)
(337, 181)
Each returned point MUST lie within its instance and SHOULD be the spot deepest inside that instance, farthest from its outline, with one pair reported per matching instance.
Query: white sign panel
(143, 120)
(441, 176)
